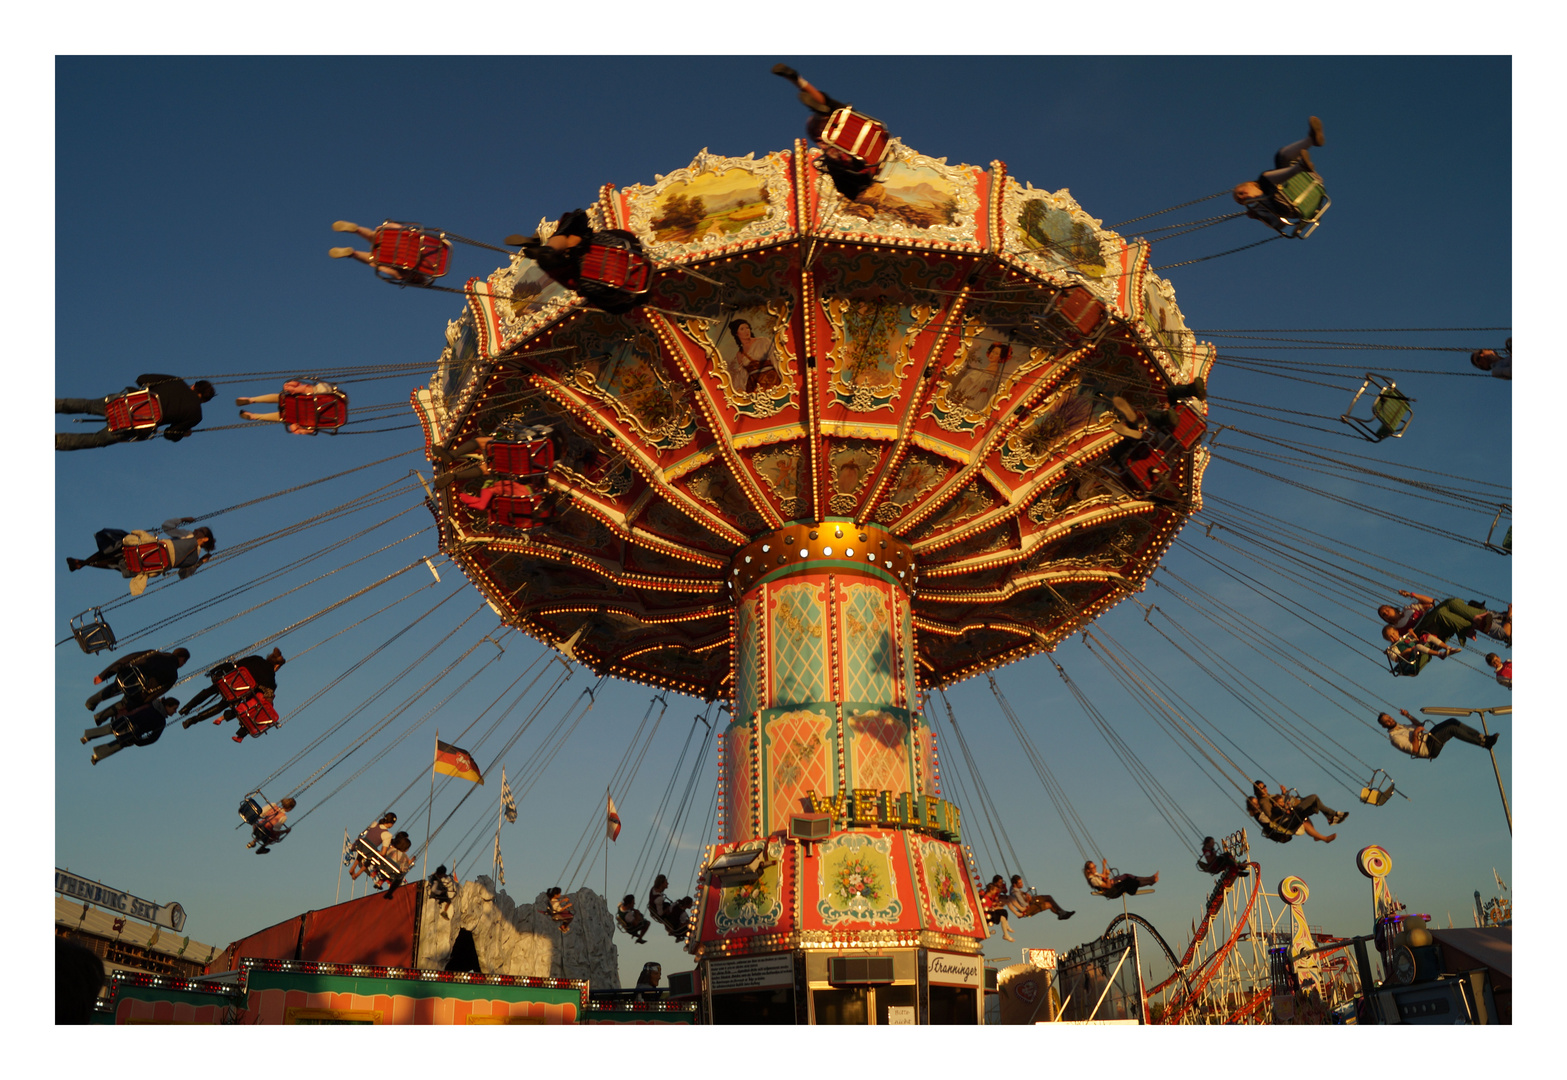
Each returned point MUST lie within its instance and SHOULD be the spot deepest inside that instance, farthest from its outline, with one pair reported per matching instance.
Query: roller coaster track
(1258, 1000)
(1215, 901)
(1148, 926)
(1177, 1010)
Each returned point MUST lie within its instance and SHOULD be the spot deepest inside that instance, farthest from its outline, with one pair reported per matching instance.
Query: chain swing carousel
(837, 452)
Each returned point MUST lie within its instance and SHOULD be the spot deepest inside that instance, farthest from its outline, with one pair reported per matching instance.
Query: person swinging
(1110, 885)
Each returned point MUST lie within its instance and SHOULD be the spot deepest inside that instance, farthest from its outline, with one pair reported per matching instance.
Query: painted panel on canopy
(1004, 357)
(581, 532)
(713, 486)
(1167, 326)
(921, 475)
(784, 474)
(1060, 424)
(749, 358)
(852, 468)
(914, 197)
(964, 505)
(799, 750)
(1051, 234)
(625, 370)
(712, 203)
(876, 349)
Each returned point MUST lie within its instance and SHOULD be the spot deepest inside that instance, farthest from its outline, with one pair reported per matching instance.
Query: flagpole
(606, 849)
(430, 810)
(500, 814)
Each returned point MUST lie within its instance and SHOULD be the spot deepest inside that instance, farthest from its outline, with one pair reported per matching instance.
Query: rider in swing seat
(1277, 198)
(1113, 886)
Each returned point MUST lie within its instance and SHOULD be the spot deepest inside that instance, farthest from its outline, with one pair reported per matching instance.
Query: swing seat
(1147, 467)
(1374, 794)
(135, 411)
(412, 250)
(1189, 427)
(513, 512)
(377, 865)
(1081, 309)
(520, 459)
(1506, 546)
(314, 412)
(613, 262)
(94, 636)
(1391, 411)
(250, 810)
(1306, 198)
(236, 685)
(853, 135)
(149, 558)
(255, 715)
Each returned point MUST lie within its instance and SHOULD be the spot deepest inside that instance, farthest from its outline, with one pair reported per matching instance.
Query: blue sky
(194, 199)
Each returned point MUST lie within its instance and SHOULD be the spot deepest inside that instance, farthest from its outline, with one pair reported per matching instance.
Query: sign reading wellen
(79, 888)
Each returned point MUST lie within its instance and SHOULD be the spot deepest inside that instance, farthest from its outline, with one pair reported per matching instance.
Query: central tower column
(873, 919)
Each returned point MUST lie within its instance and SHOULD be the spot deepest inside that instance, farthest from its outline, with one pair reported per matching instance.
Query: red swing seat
(860, 138)
(314, 412)
(134, 410)
(412, 250)
(612, 261)
(236, 684)
(1189, 427)
(518, 512)
(1149, 470)
(255, 715)
(149, 558)
(1082, 311)
(520, 459)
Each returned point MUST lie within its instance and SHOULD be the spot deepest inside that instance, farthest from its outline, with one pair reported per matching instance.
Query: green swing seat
(1391, 411)
(1308, 200)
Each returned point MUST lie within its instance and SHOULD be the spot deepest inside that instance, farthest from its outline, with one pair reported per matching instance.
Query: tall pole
(500, 815)
(1505, 809)
(606, 845)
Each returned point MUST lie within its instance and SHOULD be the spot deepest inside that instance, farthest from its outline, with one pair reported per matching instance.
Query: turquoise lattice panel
(799, 640)
(869, 659)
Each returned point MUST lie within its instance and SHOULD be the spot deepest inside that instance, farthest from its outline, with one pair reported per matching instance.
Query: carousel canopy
(936, 358)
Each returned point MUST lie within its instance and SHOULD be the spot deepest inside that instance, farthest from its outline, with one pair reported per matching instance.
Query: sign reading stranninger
(79, 888)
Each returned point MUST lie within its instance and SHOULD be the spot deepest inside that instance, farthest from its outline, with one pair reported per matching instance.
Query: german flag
(455, 761)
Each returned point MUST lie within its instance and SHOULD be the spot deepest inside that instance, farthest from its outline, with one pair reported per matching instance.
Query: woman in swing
(1111, 887)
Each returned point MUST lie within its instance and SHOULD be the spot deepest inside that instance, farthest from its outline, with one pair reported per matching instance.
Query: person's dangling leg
(111, 687)
(271, 417)
(1311, 831)
(264, 399)
(86, 406)
(1454, 728)
(358, 230)
(70, 440)
(97, 732)
(1048, 903)
(105, 751)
